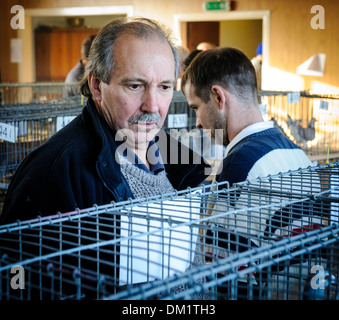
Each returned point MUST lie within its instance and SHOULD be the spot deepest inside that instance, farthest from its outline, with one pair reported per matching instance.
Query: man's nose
(150, 101)
(198, 124)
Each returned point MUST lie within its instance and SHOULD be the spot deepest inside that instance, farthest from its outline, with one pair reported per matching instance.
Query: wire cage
(180, 116)
(34, 92)
(304, 267)
(180, 123)
(310, 120)
(24, 127)
(273, 238)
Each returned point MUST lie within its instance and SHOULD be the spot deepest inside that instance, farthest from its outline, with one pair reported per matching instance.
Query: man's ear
(94, 84)
(218, 94)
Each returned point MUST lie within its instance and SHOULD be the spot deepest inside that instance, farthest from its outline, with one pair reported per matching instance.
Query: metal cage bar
(251, 241)
(309, 120)
(259, 273)
(33, 92)
(26, 126)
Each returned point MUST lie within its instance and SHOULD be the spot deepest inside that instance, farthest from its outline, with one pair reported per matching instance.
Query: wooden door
(42, 55)
(206, 31)
(57, 52)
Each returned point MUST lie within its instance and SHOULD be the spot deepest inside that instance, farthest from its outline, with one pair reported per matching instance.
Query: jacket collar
(107, 166)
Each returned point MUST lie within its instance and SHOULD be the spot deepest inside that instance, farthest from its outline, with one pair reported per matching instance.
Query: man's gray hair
(101, 56)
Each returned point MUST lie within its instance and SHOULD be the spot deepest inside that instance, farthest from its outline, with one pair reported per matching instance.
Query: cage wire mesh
(32, 112)
(180, 123)
(180, 116)
(24, 127)
(263, 273)
(34, 92)
(309, 120)
(271, 238)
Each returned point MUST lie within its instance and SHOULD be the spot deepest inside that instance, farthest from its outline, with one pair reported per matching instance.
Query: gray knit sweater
(145, 184)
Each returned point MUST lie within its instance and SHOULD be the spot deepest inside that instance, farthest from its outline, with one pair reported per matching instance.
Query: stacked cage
(179, 115)
(310, 120)
(34, 92)
(272, 238)
(180, 123)
(24, 127)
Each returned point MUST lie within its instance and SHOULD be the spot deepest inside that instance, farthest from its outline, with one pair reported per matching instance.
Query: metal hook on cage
(50, 268)
(313, 198)
(148, 216)
(4, 257)
(77, 281)
(96, 210)
(76, 274)
(189, 190)
(170, 221)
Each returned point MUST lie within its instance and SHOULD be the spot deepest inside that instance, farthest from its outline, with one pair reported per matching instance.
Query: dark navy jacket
(76, 168)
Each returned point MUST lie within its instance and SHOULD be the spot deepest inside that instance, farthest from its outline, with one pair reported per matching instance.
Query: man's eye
(166, 87)
(134, 86)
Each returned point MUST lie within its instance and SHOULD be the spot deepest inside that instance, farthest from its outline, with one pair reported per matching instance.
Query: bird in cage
(299, 133)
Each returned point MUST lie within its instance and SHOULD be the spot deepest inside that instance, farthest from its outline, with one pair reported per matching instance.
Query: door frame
(26, 70)
(264, 15)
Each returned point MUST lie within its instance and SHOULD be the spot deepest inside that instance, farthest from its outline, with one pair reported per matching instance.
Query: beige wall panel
(292, 39)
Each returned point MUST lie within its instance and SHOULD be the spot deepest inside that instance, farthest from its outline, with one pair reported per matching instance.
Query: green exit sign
(217, 5)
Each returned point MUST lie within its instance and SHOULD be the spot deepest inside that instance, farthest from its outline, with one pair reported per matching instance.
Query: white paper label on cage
(152, 247)
(177, 120)
(323, 105)
(8, 132)
(63, 121)
(22, 127)
(293, 97)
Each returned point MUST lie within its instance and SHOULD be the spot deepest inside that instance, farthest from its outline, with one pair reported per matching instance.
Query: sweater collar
(251, 129)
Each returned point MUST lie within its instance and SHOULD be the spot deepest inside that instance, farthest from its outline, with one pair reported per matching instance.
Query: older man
(104, 154)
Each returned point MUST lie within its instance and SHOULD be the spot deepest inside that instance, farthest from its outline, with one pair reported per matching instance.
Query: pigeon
(301, 134)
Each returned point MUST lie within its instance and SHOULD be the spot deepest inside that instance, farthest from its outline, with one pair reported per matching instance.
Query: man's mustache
(145, 117)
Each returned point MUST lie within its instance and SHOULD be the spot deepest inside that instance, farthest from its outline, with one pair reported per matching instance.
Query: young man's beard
(221, 124)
